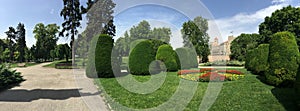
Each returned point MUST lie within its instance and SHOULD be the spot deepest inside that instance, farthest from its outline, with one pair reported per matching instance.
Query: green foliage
(261, 59)
(225, 63)
(63, 51)
(187, 57)
(195, 36)
(141, 57)
(162, 34)
(166, 54)
(8, 77)
(285, 19)
(46, 40)
(98, 13)
(141, 31)
(282, 59)
(99, 57)
(103, 56)
(21, 42)
(242, 44)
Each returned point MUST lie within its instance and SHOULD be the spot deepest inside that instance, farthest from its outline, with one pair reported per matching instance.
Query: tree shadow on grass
(23, 95)
(287, 97)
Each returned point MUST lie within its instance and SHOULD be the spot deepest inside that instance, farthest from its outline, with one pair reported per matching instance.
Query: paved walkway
(49, 89)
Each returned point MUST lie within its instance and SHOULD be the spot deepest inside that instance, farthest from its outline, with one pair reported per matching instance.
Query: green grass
(52, 65)
(245, 94)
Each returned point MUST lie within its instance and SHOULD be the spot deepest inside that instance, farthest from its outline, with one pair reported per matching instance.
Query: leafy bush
(166, 54)
(99, 61)
(193, 58)
(249, 60)
(260, 61)
(187, 58)
(141, 57)
(8, 77)
(282, 59)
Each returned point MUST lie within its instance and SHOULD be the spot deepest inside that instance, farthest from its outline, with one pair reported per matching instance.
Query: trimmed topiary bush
(187, 57)
(99, 60)
(166, 54)
(260, 60)
(183, 55)
(249, 60)
(8, 77)
(297, 83)
(141, 57)
(282, 59)
(193, 58)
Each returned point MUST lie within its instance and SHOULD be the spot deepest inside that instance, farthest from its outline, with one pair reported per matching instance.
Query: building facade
(220, 52)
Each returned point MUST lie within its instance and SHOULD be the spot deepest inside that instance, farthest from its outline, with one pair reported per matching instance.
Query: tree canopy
(195, 35)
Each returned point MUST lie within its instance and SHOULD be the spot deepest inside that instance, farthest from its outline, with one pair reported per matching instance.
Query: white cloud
(243, 22)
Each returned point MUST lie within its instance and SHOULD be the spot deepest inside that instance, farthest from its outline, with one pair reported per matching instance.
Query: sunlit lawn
(245, 94)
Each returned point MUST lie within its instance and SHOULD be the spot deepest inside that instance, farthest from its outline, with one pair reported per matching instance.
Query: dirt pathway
(49, 89)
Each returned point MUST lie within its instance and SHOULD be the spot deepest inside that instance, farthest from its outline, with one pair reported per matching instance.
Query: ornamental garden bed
(211, 74)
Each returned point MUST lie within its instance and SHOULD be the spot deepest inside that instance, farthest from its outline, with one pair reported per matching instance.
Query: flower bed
(206, 75)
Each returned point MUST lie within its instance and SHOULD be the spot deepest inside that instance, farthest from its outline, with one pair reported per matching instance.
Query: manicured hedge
(249, 60)
(187, 57)
(297, 83)
(260, 63)
(166, 54)
(99, 61)
(141, 57)
(282, 59)
(183, 55)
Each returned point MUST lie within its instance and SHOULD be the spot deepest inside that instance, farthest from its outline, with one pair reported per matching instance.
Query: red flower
(230, 71)
(212, 76)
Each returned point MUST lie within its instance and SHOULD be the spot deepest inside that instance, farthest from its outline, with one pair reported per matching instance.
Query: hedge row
(282, 59)
(277, 62)
(257, 59)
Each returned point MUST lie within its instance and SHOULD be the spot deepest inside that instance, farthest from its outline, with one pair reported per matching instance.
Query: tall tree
(21, 42)
(11, 35)
(285, 19)
(72, 14)
(163, 34)
(109, 28)
(99, 15)
(46, 39)
(195, 36)
(141, 31)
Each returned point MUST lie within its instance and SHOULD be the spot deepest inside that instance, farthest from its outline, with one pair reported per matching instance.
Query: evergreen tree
(21, 42)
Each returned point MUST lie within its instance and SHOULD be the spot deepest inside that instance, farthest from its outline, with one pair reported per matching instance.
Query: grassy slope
(246, 94)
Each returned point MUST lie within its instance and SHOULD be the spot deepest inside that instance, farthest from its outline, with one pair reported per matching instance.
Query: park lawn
(52, 65)
(245, 94)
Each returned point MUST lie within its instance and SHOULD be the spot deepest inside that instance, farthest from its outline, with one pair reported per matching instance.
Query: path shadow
(22, 95)
(287, 97)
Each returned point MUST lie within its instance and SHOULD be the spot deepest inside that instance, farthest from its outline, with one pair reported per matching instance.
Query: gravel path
(49, 89)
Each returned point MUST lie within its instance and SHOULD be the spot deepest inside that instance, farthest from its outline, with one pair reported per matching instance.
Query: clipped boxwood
(141, 57)
(99, 60)
(261, 59)
(187, 58)
(166, 54)
(193, 58)
(282, 59)
(249, 60)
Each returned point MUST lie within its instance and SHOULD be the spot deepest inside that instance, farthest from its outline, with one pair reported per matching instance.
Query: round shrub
(141, 57)
(282, 59)
(166, 54)
(99, 60)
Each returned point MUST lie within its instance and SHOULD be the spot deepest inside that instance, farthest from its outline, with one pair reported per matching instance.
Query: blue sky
(239, 16)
